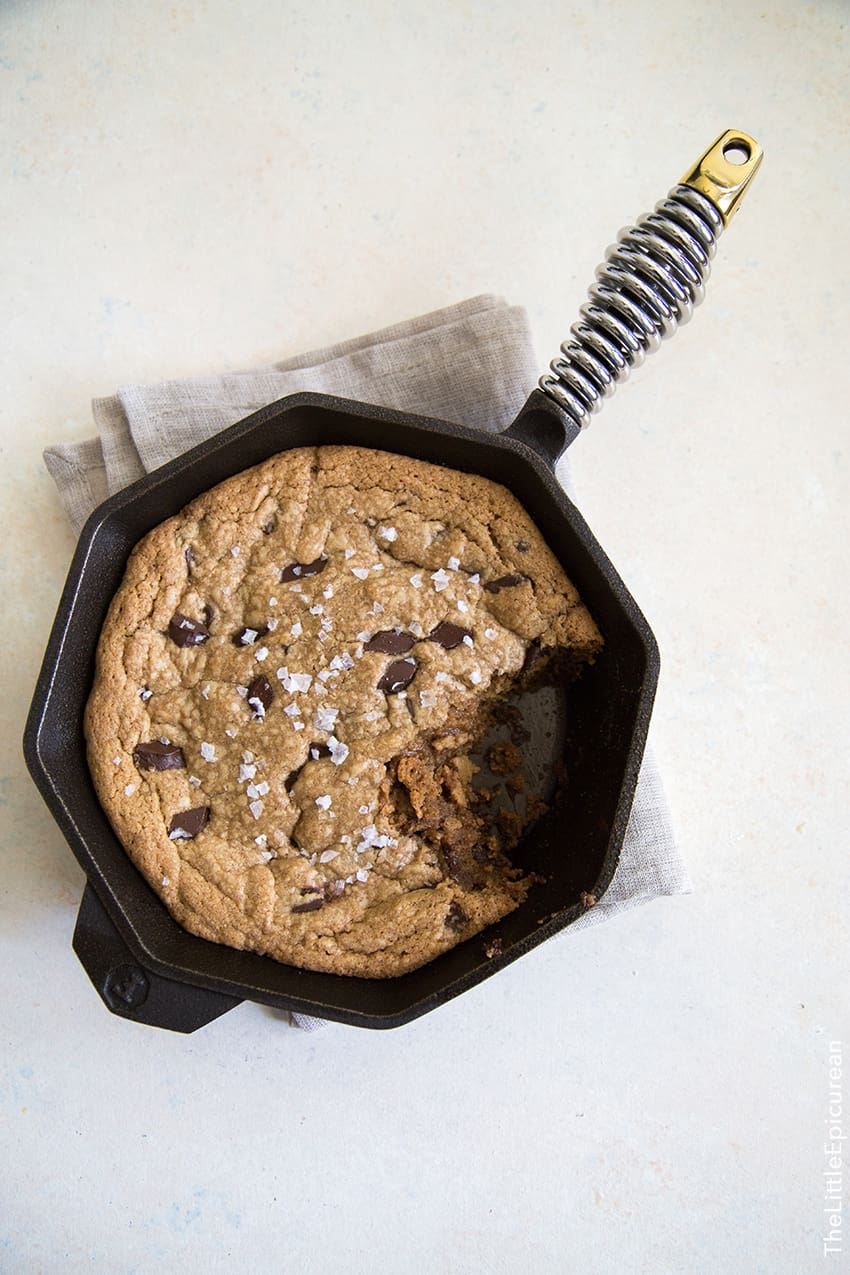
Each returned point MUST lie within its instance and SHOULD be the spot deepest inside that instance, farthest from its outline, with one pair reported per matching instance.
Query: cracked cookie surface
(288, 683)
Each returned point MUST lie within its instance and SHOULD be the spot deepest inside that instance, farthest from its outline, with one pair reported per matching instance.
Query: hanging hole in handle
(737, 151)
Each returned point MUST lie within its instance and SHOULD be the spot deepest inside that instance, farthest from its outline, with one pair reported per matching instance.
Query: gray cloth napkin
(472, 363)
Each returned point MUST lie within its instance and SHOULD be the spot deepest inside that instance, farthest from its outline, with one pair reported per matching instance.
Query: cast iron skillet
(144, 965)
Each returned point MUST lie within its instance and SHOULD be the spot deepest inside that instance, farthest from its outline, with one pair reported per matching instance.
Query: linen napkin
(472, 363)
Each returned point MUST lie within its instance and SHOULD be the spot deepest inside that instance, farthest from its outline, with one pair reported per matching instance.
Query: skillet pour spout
(142, 963)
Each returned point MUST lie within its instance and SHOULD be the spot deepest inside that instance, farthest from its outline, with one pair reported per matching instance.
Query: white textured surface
(188, 187)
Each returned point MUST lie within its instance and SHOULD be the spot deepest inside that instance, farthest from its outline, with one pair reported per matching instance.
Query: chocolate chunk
(186, 632)
(155, 755)
(398, 675)
(312, 905)
(208, 615)
(242, 636)
(268, 527)
(523, 546)
(456, 918)
(504, 582)
(319, 750)
(260, 695)
(448, 635)
(390, 642)
(188, 823)
(300, 570)
(462, 869)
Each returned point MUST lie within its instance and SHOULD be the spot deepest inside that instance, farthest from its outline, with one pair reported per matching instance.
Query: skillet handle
(129, 990)
(649, 283)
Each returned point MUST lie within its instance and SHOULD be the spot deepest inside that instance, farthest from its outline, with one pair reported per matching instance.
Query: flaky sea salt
(247, 636)
(229, 731)
(428, 699)
(360, 572)
(349, 553)
(474, 579)
(261, 653)
(294, 681)
(242, 690)
(364, 635)
(318, 609)
(208, 751)
(338, 750)
(247, 756)
(377, 608)
(416, 581)
(144, 693)
(256, 808)
(328, 592)
(116, 761)
(362, 874)
(475, 676)
(298, 724)
(268, 855)
(129, 790)
(235, 551)
(261, 840)
(490, 634)
(166, 881)
(441, 677)
(462, 606)
(326, 623)
(296, 629)
(263, 789)
(325, 718)
(246, 772)
(193, 779)
(371, 717)
(272, 623)
(369, 836)
(324, 802)
(453, 564)
(467, 640)
(205, 693)
(292, 710)
(363, 810)
(328, 856)
(388, 533)
(441, 580)
(272, 602)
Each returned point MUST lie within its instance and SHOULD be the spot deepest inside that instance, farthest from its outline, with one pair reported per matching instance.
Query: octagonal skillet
(143, 964)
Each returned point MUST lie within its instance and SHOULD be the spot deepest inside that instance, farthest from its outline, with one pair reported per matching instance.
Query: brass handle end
(724, 173)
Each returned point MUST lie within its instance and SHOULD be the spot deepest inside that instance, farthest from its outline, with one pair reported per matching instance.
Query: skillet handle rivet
(125, 987)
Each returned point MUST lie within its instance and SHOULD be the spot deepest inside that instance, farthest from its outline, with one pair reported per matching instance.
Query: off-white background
(195, 187)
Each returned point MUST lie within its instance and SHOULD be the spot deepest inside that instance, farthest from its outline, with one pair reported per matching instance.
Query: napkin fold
(472, 363)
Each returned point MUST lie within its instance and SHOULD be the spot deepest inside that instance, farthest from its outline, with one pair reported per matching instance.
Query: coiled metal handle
(651, 279)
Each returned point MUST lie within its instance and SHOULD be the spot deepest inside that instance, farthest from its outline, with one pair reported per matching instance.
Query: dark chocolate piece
(268, 527)
(208, 615)
(390, 642)
(398, 675)
(186, 632)
(523, 546)
(504, 582)
(312, 905)
(260, 693)
(154, 755)
(456, 918)
(300, 570)
(448, 635)
(188, 823)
